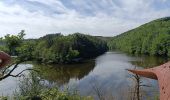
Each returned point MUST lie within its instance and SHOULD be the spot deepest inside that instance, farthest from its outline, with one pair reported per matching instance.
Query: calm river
(105, 76)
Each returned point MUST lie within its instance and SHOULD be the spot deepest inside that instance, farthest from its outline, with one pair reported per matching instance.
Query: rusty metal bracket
(160, 73)
(4, 59)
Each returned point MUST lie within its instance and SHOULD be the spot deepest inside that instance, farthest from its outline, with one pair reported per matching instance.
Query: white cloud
(110, 17)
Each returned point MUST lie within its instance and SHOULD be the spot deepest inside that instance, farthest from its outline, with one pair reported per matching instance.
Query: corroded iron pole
(4, 59)
(160, 73)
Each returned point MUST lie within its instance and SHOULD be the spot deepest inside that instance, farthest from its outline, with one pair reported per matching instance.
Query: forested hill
(152, 38)
(104, 38)
(54, 48)
(57, 48)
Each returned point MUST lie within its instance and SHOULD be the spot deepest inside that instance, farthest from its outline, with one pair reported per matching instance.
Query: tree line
(152, 38)
(54, 48)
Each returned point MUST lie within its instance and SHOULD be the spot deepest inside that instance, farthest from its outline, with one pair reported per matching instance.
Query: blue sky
(95, 17)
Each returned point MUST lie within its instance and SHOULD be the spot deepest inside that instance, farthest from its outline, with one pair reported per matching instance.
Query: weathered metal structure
(4, 59)
(160, 73)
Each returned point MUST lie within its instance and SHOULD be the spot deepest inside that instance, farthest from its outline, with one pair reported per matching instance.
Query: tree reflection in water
(149, 61)
(61, 74)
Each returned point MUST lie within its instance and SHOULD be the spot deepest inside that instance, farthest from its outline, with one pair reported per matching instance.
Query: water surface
(106, 76)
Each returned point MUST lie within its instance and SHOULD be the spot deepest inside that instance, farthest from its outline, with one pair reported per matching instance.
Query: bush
(33, 88)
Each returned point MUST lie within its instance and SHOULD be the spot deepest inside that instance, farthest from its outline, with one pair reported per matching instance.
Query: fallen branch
(6, 74)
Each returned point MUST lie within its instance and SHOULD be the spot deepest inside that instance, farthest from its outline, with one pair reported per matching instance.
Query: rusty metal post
(160, 73)
(4, 59)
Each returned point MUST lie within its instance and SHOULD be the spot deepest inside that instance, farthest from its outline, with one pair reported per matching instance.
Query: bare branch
(9, 73)
(5, 69)
(20, 74)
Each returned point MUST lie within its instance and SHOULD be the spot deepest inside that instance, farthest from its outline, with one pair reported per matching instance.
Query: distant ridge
(152, 38)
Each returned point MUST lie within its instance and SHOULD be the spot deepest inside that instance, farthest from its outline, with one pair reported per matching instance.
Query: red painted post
(160, 73)
(4, 59)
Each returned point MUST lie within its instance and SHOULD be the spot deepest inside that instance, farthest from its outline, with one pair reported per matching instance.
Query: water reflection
(106, 73)
(110, 77)
(62, 74)
(149, 61)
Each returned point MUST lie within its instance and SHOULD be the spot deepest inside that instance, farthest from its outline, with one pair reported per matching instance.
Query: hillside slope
(152, 38)
(57, 48)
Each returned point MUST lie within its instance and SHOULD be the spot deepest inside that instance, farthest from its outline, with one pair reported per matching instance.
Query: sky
(94, 17)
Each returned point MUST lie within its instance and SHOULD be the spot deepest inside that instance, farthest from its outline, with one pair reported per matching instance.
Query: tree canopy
(56, 48)
(152, 38)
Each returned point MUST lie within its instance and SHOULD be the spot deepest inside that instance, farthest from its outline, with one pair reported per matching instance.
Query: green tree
(56, 48)
(151, 38)
(13, 41)
(25, 51)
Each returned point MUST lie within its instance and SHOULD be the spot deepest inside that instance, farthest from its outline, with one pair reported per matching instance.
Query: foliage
(25, 51)
(56, 48)
(3, 98)
(3, 48)
(152, 38)
(29, 87)
(14, 41)
(2, 45)
(32, 87)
